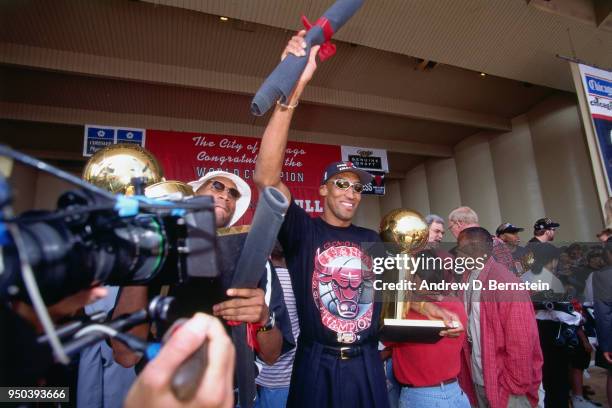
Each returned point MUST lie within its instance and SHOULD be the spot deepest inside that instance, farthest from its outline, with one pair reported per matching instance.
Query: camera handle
(187, 377)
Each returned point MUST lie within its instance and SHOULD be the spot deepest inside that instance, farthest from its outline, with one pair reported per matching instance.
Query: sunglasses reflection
(221, 187)
(344, 184)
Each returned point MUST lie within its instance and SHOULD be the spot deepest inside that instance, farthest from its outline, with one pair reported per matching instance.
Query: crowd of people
(571, 317)
(315, 318)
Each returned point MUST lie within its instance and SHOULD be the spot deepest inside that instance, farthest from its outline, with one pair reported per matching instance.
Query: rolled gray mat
(282, 80)
(251, 266)
(268, 218)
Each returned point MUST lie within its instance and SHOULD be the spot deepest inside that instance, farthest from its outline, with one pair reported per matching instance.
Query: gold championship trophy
(405, 233)
(114, 167)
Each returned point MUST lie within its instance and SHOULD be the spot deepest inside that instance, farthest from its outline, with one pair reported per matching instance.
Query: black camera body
(567, 336)
(86, 241)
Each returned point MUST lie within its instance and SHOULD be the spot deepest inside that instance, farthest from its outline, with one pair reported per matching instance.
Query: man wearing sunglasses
(232, 196)
(337, 362)
(231, 193)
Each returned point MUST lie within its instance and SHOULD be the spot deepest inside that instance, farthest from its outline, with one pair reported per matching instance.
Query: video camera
(96, 237)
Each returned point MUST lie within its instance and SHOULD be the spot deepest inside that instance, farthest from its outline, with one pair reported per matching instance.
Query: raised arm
(274, 141)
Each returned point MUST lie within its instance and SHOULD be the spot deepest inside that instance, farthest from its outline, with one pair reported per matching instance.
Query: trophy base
(411, 331)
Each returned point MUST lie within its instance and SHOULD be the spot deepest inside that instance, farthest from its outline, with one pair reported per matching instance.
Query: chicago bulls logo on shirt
(342, 286)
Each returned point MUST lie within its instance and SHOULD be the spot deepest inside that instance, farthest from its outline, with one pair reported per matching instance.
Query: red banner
(187, 156)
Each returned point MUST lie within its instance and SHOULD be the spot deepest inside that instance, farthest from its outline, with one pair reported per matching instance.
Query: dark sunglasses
(220, 187)
(344, 184)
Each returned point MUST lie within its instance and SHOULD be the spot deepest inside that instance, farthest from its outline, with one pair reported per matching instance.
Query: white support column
(477, 179)
(516, 176)
(443, 187)
(414, 191)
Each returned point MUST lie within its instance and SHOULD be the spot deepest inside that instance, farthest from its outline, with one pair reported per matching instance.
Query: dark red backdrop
(186, 156)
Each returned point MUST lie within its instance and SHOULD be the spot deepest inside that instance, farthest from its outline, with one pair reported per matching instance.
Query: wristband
(282, 105)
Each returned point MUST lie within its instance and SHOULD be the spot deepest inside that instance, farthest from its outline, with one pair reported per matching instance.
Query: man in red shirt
(427, 373)
(502, 363)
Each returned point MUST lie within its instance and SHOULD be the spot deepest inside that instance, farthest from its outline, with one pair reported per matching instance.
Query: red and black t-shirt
(332, 278)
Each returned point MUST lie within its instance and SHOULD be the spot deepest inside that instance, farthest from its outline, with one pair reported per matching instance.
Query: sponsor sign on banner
(97, 137)
(366, 158)
(597, 86)
(136, 136)
(377, 186)
(187, 156)
(371, 160)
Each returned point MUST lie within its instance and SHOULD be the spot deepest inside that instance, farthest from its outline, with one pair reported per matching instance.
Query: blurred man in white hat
(232, 196)
(231, 193)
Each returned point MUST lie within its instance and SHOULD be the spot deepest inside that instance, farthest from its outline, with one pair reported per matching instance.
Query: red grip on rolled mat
(327, 49)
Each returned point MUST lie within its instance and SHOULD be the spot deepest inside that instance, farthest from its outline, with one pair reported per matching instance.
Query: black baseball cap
(545, 223)
(506, 227)
(343, 166)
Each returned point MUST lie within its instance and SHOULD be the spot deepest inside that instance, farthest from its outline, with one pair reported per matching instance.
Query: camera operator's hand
(62, 309)
(249, 306)
(152, 387)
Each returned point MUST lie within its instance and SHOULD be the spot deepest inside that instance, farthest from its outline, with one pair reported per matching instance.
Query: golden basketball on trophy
(114, 167)
(406, 229)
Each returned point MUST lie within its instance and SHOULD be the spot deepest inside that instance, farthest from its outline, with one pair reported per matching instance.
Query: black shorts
(579, 358)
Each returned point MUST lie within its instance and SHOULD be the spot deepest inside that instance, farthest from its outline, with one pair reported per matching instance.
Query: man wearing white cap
(231, 193)
(232, 196)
